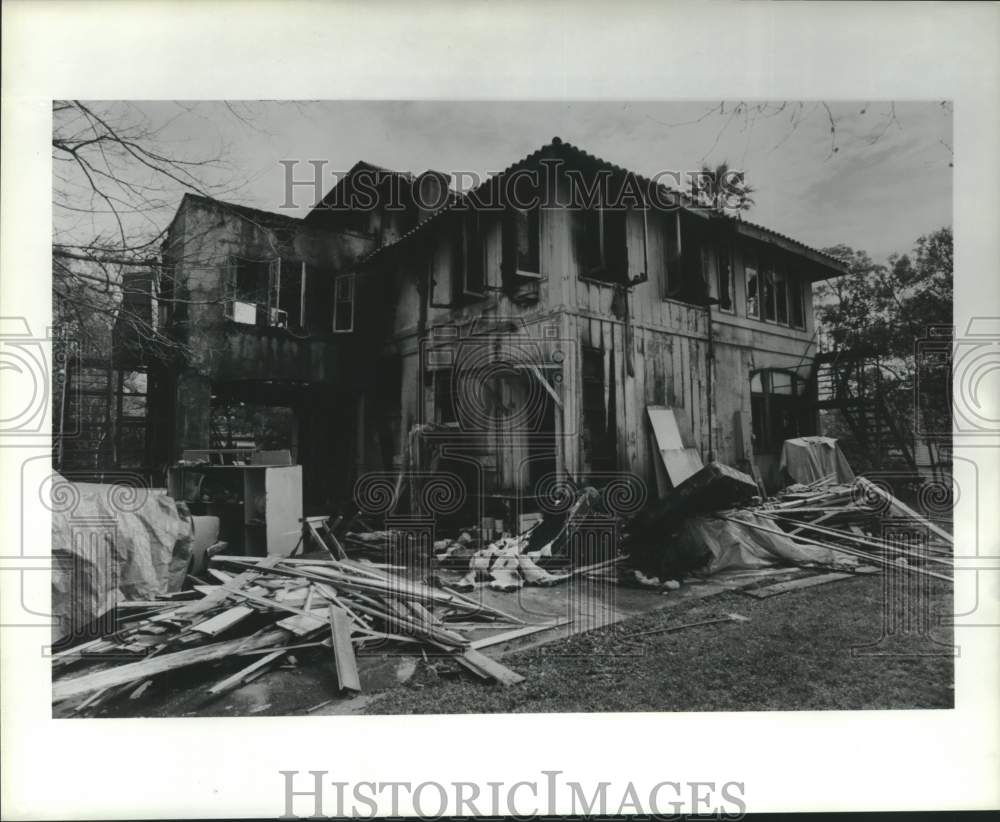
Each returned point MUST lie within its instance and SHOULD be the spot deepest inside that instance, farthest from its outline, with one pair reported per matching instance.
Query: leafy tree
(889, 307)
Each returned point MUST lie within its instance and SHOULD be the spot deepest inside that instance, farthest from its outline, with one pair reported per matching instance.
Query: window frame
(774, 272)
(751, 262)
(770, 407)
(673, 257)
(767, 295)
(531, 215)
(800, 304)
(473, 243)
(337, 300)
(781, 293)
(604, 268)
(270, 306)
(724, 251)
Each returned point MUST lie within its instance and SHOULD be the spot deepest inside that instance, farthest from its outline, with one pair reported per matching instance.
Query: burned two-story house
(534, 323)
(516, 334)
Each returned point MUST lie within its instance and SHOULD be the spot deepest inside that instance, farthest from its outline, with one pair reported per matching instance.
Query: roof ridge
(238, 207)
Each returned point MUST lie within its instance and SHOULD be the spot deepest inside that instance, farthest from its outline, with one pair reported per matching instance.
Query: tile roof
(559, 146)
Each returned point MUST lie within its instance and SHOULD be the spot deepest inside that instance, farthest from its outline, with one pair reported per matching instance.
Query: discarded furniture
(259, 506)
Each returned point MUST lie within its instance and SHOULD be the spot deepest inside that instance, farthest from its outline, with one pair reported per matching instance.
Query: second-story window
(527, 229)
(474, 253)
(752, 280)
(251, 291)
(673, 264)
(796, 302)
(774, 290)
(767, 290)
(343, 304)
(521, 263)
(724, 277)
(781, 294)
(602, 244)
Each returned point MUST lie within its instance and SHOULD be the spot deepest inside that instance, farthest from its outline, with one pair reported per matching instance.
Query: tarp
(112, 542)
(737, 547)
(807, 459)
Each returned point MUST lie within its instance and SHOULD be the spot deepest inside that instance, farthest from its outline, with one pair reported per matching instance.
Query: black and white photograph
(510, 411)
(381, 437)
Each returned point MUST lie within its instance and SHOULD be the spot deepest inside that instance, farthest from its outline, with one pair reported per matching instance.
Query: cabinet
(259, 506)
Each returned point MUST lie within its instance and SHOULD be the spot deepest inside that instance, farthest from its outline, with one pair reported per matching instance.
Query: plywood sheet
(679, 459)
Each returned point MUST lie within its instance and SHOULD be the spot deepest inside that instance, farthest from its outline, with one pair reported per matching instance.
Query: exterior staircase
(850, 382)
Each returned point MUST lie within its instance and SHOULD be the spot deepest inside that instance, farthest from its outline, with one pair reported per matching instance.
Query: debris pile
(848, 521)
(510, 563)
(823, 523)
(271, 607)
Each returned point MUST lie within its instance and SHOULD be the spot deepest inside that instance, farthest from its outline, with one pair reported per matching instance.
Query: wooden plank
(816, 521)
(343, 650)
(795, 584)
(120, 674)
(220, 622)
(490, 667)
(506, 636)
(901, 508)
(237, 679)
(301, 624)
(217, 597)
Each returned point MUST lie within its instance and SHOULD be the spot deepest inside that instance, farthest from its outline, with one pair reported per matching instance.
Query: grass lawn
(794, 654)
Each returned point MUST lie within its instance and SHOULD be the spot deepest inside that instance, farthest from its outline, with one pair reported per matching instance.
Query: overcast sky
(878, 181)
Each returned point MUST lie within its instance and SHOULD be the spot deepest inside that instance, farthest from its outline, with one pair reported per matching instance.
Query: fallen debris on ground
(823, 525)
(272, 606)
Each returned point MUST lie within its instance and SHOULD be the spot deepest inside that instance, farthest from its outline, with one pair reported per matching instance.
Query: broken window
(673, 268)
(474, 248)
(253, 291)
(343, 304)
(602, 244)
(774, 292)
(521, 265)
(767, 290)
(291, 294)
(724, 277)
(796, 303)
(752, 285)
(522, 242)
(780, 295)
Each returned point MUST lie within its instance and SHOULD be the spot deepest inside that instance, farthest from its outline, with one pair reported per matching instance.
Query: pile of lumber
(850, 520)
(263, 609)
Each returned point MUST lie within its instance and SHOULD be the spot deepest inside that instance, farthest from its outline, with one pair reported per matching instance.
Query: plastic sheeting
(737, 547)
(112, 542)
(807, 459)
